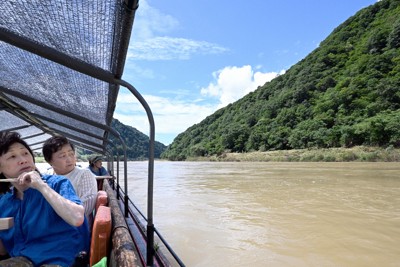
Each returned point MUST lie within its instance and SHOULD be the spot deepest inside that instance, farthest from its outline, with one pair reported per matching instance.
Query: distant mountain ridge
(136, 142)
(344, 93)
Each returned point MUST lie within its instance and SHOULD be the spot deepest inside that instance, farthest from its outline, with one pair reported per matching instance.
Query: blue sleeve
(63, 187)
(103, 171)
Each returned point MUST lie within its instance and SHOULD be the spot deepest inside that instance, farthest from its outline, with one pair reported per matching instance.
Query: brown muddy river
(276, 214)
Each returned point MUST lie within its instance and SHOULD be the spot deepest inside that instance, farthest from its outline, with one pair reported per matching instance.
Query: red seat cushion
(102, 199)
(101, 233)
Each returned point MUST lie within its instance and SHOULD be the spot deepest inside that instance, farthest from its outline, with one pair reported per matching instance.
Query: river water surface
(275, 214)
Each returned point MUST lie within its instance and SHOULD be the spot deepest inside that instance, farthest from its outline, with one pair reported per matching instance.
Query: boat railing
(136, 220)
(70, 79)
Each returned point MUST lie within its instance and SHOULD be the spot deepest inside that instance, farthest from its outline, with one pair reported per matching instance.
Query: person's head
(96, 162)
(16, 157)
(60, 154)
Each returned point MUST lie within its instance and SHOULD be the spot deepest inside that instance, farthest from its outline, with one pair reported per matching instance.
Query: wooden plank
(6, 223)
(104, 177)
(8, 180)
(124, 252)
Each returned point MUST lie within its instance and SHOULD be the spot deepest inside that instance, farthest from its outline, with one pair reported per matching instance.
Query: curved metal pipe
(150, 224)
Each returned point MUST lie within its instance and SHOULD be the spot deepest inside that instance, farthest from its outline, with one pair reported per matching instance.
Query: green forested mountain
(136, 142)
(344, 93)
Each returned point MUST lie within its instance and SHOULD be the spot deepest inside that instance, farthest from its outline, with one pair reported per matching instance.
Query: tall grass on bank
(359, 153)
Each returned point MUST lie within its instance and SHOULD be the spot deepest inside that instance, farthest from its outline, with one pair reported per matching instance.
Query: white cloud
(150, 22)
(232, 83)
(169, 48)
(150, 43)
(171, 116)
(174, 115)
(152, 40)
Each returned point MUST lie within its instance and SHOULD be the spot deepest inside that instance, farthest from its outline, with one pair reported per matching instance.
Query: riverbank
(358, 154)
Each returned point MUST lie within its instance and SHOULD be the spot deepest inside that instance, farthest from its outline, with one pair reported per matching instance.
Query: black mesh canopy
(60, 63)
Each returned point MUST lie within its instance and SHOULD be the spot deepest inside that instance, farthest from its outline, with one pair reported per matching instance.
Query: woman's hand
(32, 179)
(29, 179)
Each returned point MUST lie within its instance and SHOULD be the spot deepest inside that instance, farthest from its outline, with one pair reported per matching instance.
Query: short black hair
(7, 139)
(54, 144)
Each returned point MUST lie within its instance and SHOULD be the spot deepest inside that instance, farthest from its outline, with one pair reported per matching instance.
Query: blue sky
(190, 58)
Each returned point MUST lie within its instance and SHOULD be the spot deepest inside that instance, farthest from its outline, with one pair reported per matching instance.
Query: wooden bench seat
(102, 199)
(101, 232)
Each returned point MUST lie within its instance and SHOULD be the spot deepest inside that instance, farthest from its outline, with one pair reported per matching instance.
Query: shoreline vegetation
(357, 154)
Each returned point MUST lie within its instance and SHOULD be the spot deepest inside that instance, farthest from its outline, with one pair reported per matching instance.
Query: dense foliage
(137, 143)
(344, 93)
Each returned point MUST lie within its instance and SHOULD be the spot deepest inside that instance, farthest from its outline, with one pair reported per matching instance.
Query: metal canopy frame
(37, 119)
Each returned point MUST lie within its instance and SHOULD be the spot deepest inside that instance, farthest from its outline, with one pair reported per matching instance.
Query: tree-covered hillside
(136, 142)
(345, 93)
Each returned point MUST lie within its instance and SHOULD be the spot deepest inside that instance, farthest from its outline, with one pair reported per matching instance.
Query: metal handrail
(160, 237)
